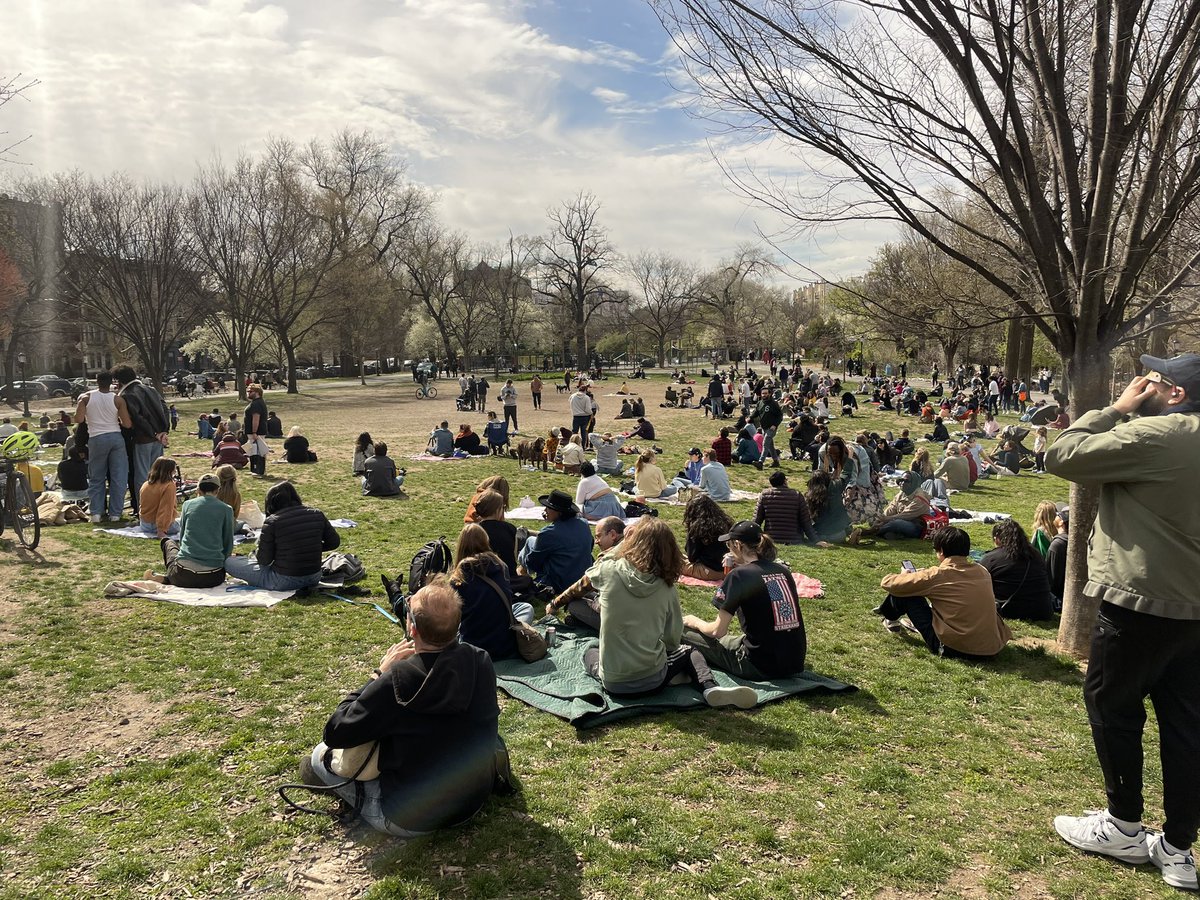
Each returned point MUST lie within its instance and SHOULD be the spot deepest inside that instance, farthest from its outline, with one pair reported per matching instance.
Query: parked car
(24, 390)
(55, 386)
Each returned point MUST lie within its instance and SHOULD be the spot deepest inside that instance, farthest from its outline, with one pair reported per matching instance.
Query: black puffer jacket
(293, 540)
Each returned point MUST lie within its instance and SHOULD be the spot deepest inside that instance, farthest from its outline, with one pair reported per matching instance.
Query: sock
(708, 686)
(1172, 850)
(1129, 828)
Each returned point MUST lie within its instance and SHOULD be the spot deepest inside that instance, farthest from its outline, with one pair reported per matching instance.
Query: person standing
(508, 399)
(581, 412)
(535, 388)
(481, 389)
(150, 420)
(767, 416)
(254, 421)
(1144, 553)
(105, 414)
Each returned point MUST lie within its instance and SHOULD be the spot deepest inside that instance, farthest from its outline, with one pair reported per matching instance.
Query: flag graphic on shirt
(783, 603)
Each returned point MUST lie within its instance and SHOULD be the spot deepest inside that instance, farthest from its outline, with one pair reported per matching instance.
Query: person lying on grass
(641, 622)
(432, 707)
(760, 591)
(951, 605)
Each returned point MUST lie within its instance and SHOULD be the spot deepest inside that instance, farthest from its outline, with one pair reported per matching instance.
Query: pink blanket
(806, 587)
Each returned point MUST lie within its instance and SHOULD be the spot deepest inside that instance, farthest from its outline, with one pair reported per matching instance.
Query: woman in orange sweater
(156, 500)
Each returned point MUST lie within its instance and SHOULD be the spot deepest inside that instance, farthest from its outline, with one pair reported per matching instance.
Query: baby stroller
(463, 402)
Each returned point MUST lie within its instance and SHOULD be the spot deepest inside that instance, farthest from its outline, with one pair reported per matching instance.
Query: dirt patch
(970, 883)
(325, 871)
(1052, 647)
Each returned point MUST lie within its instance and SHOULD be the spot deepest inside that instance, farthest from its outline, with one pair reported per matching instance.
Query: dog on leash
(562, 389)
(531, 452)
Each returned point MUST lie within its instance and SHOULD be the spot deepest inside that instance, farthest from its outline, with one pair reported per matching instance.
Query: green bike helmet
(22, 445)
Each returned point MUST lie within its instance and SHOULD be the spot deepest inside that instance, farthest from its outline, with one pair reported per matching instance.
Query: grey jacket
(1144, 551)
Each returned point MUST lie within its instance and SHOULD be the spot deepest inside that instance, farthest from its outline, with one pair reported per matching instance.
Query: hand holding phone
(908, 566)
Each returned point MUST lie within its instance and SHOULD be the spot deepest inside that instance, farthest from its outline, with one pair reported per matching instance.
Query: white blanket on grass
(237, 594)
(978, 517)
(135, 531)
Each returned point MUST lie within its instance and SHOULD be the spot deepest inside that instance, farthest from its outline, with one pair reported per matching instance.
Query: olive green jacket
(1144, 550)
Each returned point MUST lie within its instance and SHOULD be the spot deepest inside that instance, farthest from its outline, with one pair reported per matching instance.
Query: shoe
(95, 520)
(1178, 869)
(893, 625)
(741, 697)
(758, 464)
(308, 775)
(1096, 832)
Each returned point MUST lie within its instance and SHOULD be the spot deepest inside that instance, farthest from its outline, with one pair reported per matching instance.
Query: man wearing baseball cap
(197, 560)
(1144, 554)
(559, 554)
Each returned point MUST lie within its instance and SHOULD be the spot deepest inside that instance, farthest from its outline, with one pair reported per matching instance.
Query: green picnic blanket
(560, 685)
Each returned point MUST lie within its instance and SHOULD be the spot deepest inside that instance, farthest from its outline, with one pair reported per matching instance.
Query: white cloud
(469, 91)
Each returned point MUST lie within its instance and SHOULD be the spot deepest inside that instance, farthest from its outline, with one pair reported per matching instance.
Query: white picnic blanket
(979, 517)
(237, 594)
(135, 531)
(343, 523)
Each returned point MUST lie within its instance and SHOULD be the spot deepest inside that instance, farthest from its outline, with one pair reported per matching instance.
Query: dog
(531, 452)
(562, 389)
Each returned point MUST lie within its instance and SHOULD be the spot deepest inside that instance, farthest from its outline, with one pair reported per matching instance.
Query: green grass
(935, 775)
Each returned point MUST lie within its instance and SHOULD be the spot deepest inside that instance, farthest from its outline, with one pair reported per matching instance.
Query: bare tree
(132, 263)
(1073, 124)
(430, 258)
(507, 283)
(724, 301)
(574, 259)
(666, 297)
(13, 88)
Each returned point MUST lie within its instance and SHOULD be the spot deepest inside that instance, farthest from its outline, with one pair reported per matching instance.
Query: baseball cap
(1064, 513)
(1182, 370)
(210, 481)
(745, 531)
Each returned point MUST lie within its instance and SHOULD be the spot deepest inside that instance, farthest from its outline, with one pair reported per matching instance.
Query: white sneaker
(95, 520)
(893, 625)
(1096, 832)
(1178, 869)
(741, 697)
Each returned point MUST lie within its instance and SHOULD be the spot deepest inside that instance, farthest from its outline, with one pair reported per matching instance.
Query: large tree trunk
(1025, 365)
(1087, 382)
(581, 360)
(290, 352)
(1012, 352)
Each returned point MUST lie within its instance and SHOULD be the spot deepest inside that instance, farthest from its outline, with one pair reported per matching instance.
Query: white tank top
(102, 412)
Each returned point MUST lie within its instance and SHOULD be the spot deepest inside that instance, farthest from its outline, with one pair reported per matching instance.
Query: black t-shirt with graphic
(763, 597)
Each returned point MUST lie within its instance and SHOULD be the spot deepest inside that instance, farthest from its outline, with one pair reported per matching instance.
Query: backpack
(633, 510)
(344, 567)
(433, 558)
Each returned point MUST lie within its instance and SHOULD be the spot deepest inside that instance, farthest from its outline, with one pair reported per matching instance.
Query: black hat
(559, 501)
(745, 531)
(1182, 370)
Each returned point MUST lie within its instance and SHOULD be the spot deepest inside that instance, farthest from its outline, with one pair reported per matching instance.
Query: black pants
(579, 425)
(537, 400)
(511, 412)
(186, 578)
(921, 615)
(585, 613)
(1135, 655)
(683, 660)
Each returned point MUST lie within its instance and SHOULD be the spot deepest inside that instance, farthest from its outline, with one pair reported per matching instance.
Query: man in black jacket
(767, 416)
(151, 422)
(432, 707)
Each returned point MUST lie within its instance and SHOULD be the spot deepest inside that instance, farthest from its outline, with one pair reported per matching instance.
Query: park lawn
(144, 742)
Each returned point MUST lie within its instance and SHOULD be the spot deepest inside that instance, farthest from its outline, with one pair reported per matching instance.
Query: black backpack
(432, 559)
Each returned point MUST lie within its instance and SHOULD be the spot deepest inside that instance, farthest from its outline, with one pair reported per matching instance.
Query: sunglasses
(1159, 378)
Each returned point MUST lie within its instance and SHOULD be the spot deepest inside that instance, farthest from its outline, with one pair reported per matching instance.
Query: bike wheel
(431, 393)
(420, 394)
(23, 510)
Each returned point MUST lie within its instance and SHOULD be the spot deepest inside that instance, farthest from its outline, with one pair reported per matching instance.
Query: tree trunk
(662, 354)
(1012, 351)
(1087, 376)
(580, 342)
(1025, 365)
(290, 352)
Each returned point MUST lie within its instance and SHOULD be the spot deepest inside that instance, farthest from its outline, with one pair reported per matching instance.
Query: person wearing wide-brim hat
(761, 592)
(559, 554)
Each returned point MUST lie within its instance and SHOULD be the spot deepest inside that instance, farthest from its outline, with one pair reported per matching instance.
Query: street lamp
(24, 386)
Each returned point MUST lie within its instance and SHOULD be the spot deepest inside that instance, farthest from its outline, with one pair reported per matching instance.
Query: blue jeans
(901, 528)
(107, 459)
(265, 577)
(152, 528)
(371, 811)
(144, 456)
(523, 612)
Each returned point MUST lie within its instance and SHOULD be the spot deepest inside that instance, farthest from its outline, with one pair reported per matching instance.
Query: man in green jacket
(1142, 564)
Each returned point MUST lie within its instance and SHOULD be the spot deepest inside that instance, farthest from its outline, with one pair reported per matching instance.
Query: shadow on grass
(30, 557)
(503, 851)
(1036, 663)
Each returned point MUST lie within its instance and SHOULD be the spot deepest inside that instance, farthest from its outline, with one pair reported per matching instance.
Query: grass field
(143, 742)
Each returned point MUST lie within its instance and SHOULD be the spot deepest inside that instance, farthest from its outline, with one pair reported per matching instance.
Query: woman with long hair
(641, 622)
(649, 478)
(364, 448)
(703, 523)
(497, 483)
(290, 546)
(761, 592)
(1019, 579)
(481, 580)
(1045, 526)
(830, 521)
(228, 492)
(156, 507)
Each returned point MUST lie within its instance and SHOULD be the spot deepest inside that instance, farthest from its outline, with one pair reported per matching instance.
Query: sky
(504, 108)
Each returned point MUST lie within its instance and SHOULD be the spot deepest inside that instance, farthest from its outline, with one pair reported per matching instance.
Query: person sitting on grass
(290, 546)
(73, 475)
(594, 497)
(197, 559)
(432, 707)
(649, 479)
(703, 524)
(573, 456)
(157, 499)
(441, 441)
(714, 478)
(481, 580)
(607, 449)
(497, 483)
(641, 622)
(643, 430)
(951, 605)
(1044, 526)
(783, 513)
(723, 448)
(229, 452)
(1018, 572)
(469, 442)
(296, 448)
(581, 600)
(954, 469)
(747, 451)
(228, 492)
(1056, 556)
(902, 518)
(382, 478)
(496, 433)
(940, 433)
(626, 410)
(559, 554)
(364, 448)
(761, 592)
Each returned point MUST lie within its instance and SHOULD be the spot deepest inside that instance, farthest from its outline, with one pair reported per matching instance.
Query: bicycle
(426, 392)
(18, 507)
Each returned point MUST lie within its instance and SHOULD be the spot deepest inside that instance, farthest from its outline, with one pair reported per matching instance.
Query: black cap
(1183, 370)
(745, 531)
(1064, 513)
